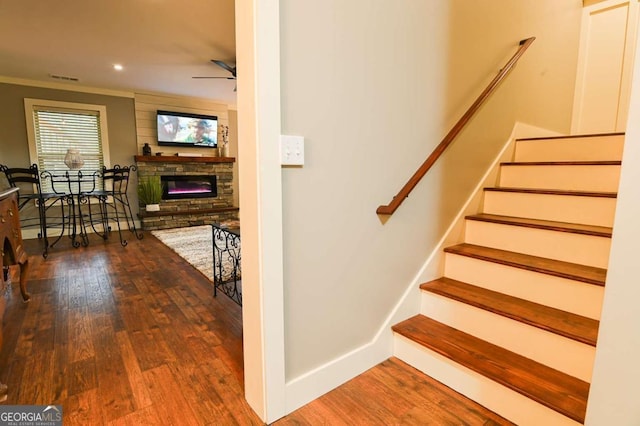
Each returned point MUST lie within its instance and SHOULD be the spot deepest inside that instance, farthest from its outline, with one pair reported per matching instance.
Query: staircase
(514, 321)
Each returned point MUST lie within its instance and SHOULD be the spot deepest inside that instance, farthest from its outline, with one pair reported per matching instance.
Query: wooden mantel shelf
(181, 159)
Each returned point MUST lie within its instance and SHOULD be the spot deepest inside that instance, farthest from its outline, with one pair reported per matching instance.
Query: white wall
(373, 86)
(613, 398)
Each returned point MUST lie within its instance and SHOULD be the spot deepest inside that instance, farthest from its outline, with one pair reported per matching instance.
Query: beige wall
(373, 87)
(613, 398)
(14, 148)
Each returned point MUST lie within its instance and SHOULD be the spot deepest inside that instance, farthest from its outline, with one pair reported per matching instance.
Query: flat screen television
(187, 129)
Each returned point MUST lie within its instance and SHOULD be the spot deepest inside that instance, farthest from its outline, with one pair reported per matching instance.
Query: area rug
(194, 244)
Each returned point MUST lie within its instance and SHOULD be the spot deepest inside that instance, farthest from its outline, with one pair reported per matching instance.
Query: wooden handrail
(437, 152)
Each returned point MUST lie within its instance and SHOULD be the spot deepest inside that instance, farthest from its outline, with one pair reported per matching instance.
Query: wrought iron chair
(114, 202)
(31, 195)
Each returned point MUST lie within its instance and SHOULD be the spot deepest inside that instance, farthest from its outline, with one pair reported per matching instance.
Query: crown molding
(66, 86)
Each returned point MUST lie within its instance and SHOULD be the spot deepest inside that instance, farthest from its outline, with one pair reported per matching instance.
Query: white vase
(224, 151)
(152, 207)
(73, 159)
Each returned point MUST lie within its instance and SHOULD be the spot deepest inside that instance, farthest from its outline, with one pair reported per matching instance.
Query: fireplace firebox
(189, 186)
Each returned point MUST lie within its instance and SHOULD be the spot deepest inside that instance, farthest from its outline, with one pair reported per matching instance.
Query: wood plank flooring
(124, 335)
(392, 393)
(133, 336)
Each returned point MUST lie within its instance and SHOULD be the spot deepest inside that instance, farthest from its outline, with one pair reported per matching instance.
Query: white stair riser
(570, 177)
(605, 148)
(560, 293)
(569, 247)
(597, 211)
(569, 356)
(496, 397)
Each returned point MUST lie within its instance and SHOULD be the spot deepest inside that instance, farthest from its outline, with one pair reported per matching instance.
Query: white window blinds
(57, 130)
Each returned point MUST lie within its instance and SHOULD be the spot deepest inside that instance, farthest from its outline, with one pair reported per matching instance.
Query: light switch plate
(291, 150)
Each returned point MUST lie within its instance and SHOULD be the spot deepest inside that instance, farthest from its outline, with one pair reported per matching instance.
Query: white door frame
(627, 66)
(260, 176)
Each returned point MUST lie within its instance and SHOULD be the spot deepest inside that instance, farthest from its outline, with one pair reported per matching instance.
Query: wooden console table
(11, 252)
(11, 246)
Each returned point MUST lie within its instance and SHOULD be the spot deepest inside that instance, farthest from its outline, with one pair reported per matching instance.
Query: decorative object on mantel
(73, 159)
(224, 144)
(150, 192)
(146, 149)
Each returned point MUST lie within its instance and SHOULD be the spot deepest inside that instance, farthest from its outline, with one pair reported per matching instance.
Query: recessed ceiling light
(117, 67)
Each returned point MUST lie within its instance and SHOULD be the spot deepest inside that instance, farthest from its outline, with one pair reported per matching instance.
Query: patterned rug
(194, 244)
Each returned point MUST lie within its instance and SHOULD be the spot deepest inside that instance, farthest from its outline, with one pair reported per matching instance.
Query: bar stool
(114, 202)
(43, 201)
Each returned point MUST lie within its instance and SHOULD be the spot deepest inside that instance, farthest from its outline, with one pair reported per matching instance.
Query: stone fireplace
(197, 191)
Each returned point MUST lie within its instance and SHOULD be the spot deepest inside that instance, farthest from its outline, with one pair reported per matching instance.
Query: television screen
(186, 129)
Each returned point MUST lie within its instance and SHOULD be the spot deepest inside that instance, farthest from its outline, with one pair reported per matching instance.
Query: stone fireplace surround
(189, 211)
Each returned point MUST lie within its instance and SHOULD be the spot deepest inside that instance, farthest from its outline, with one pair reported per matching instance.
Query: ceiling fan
(225, 66)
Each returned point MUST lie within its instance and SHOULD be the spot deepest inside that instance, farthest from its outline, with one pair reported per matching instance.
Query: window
(53, 127)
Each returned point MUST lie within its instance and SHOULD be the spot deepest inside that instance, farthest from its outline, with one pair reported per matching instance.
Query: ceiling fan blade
(226, 78)
(223, 65)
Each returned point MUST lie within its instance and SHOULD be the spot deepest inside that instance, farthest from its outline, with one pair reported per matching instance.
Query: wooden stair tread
(563, 163)
(555, 192)
(575, 228)
(552, 388)
(563, 323)
(572, 271)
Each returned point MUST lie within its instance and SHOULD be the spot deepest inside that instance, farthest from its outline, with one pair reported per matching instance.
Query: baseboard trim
(32, 233)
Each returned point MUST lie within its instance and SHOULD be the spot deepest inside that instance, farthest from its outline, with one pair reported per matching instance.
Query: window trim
(30, 103)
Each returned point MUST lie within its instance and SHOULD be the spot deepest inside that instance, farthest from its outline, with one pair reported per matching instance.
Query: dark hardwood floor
(133, 336)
